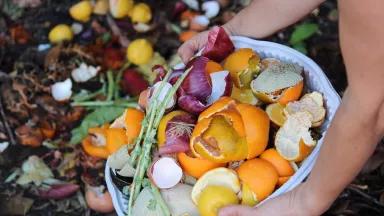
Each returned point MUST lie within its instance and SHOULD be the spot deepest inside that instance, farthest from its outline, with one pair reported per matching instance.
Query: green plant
(301, 33)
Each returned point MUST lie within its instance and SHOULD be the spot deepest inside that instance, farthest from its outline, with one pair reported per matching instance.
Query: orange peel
(242, 64)
(246, 132)
(260, 175)
(196, 167)
(293, 140)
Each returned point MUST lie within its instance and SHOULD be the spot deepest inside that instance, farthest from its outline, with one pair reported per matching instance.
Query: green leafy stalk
(156, 113)
(137, 150)
(121, 103)
(87, 96)
(111, 85)
(139, 173)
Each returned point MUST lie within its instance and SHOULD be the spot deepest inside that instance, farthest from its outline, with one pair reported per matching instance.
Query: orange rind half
(293, 140)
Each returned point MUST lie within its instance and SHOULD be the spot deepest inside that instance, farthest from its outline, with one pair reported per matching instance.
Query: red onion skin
(59, 191)
(160, 72)
(228, 87)
(219, 45)
(197, 83)
(175, 144)
(191, 104)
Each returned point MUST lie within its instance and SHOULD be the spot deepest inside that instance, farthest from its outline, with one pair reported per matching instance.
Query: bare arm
(260, 19)
(264, 17)
(358, 124)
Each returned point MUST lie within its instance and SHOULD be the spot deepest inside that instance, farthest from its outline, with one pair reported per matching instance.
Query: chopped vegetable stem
(159, 199)
(155, 114)
(111, 85)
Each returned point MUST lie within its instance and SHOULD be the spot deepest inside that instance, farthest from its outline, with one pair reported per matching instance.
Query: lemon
(247, 196)
(60, 33)
(215, 197)
(220, 177)
(140, 51)
(81, 11)
(120, 8)
(141, 13)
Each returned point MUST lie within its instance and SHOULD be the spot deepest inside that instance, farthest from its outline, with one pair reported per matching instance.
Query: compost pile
(68, 68)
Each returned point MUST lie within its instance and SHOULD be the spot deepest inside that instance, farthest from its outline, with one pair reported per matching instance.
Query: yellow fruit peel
(220, 177)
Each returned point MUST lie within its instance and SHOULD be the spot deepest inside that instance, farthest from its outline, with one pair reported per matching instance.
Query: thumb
(235, 210)
(188, 49)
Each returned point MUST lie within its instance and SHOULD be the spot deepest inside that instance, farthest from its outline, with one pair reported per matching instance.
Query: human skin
(358, 124)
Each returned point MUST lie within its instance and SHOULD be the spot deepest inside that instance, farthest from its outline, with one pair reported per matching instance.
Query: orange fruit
(161, 135)
(293, 140)
(196, 167)
(282, 180)
(133, 120)
(282, 166)
(212, 67)
(256, 123)
(187, 35)
(242, 64)
(260, 175)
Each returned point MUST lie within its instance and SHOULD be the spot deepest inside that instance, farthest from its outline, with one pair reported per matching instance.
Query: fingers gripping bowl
(314, 80)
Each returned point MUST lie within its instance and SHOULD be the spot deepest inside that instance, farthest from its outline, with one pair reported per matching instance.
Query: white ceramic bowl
(315, 80)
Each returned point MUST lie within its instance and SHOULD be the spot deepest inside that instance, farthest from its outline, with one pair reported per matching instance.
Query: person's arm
(260, 19)
(358, 124)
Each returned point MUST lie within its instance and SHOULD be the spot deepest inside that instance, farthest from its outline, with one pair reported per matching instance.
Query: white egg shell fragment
(84, 72)
(62, 91)
(166, 173)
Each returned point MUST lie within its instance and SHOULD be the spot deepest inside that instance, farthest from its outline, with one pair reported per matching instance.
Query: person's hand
(188, 49)
(294, 202)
